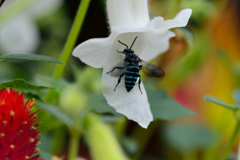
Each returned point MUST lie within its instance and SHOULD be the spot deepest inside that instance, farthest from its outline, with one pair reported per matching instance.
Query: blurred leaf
(99, 104)
(30, 57)
(45, 155)
(236, 96)
(45, 140)
(129, 145)
(188, 34)
(208, 98)
(111, 119)
(56, 112)
(58, 84)
(164, 107)
(22, 85)
(30, 95)
(186, 137)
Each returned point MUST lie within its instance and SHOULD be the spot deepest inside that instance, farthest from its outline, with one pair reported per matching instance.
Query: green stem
(232, 140)
(175, 8)
(120, 127)
(74, 145)
(72, 37)
(15, 9)
(74, 139)
(71, 40)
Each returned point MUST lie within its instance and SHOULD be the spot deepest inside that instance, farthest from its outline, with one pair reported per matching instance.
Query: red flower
(18, 132)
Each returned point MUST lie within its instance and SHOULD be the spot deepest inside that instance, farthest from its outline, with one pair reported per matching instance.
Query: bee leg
(139, 82)
(140, 67)
(115, 68)
(119, 80)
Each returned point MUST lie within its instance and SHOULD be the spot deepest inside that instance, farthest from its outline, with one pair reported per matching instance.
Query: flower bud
(72, 99)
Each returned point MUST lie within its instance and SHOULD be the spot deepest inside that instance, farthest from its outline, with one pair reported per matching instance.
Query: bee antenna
(133, 42)
(123, 44)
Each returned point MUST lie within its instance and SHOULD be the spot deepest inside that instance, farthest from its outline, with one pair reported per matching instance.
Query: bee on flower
(129, 19)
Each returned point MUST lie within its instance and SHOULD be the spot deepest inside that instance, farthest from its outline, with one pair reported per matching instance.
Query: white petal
(95, 52)
(19, 35)
(134, 105)
(180, 20)
(150, 43)
(128, 13)
(154, 44)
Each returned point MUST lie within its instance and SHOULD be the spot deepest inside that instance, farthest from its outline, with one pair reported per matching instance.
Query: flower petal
(153, 44)
(180, 20)
(95, 52)
(134, 105)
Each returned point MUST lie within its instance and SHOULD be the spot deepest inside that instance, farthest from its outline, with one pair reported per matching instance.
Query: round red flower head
(18, 128)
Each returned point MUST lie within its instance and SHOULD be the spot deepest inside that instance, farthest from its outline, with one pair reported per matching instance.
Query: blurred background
(204, 58)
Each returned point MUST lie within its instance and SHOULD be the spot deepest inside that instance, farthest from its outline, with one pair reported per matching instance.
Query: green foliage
(219, 102)
(111, 119)
(30, 57)
(186, 137)
(236, 96)
(21, 84)
(56, 112)
(45, 155)
(129, 145)
(99, 104)
(164, 107)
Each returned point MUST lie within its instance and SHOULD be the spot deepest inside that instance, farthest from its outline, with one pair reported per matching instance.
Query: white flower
(20, 34)
(128, 19)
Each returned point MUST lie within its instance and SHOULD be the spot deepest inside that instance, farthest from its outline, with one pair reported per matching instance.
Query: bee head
(127, 50)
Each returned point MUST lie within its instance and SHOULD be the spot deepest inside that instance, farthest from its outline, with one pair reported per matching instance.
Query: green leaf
(188, 34)
(111, 119)
(129, 145)
(30, 57)
(99, 104)
(186, 137)
(164, 107)
(236, 96)
(211, 99)
(56, 112)
(21, 85)
(45, 155)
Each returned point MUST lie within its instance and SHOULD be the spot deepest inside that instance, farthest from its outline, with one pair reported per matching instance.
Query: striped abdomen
(131, 76)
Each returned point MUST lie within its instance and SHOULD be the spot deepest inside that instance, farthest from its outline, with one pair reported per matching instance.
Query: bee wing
(118, 69)
(152, 70)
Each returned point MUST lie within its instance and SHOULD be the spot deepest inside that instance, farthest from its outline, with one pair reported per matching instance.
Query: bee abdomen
(131, 77)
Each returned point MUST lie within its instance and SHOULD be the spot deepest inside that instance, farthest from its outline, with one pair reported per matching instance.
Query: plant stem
(74, 145)
(120, 127)
(72, 37)
(232, 140)
(71, 40)
(74, 139)
(175, 8)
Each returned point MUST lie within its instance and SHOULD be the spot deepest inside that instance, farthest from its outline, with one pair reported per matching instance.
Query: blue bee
(130, 67)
